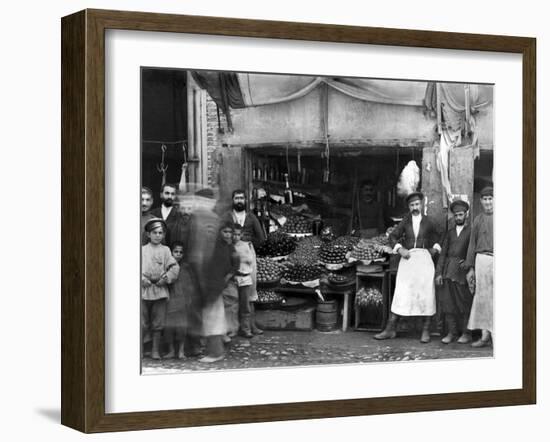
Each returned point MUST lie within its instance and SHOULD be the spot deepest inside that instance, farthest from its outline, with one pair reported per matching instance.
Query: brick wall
(215, 139)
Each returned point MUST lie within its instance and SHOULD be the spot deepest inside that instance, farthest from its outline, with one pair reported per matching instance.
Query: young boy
(158, 269)
(177, 307)
(246, 283)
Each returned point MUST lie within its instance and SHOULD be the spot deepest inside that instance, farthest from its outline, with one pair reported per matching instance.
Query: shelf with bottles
(281, 184)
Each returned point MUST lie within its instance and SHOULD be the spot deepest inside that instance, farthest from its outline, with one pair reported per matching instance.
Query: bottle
(289, 199)
(266, 218)
(257, 206)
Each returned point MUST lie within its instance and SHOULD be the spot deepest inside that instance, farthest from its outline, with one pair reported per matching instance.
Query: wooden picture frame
(83, 217)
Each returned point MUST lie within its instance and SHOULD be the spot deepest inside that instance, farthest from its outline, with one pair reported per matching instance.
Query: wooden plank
(73, 218)
(461, 172)
(432, 188)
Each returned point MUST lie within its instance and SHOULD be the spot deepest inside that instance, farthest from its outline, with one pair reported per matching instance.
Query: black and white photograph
(302, 220)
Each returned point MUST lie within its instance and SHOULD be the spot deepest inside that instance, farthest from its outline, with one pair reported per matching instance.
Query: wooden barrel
(326, 316)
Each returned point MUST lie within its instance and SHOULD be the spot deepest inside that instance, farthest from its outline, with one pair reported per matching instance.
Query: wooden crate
(301, 319)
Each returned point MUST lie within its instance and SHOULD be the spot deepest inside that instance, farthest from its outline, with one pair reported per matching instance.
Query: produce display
(270, 297)
(333, 253)
(307, 251)
(346, 241)
(381, 240)
(277, 244)
(282, 209)
(368, 297)
(300, 272)
(339, 279)
(297, 224)
(365, 250)
(269, 270)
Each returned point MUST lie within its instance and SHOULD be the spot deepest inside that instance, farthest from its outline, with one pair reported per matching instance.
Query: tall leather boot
(253, 326)
(425, 338)
(389, 332)
(452, 329)
(155, 352)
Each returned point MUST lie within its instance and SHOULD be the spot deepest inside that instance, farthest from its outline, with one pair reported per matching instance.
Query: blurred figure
(202, 232)
(180, 229)
(370, 214)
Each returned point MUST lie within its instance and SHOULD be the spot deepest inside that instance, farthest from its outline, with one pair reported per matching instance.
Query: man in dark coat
(253, 232)
(450, 275)
(252, 229)
(416, 239)
(167, 211)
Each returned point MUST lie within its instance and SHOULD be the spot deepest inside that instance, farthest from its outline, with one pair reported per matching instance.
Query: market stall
(305, 148)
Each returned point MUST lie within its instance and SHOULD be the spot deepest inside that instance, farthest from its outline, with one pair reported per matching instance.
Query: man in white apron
(480, 276)
(416, 240)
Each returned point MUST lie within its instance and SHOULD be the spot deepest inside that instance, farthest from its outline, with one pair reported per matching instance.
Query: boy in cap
(480, 275)
(455, 298)
(158, 269)
(416, 240)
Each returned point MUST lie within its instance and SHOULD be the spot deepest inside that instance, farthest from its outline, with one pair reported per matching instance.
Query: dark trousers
(153, 315)
(244, 300)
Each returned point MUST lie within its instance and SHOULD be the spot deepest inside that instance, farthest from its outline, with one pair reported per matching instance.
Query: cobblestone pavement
(288, 348)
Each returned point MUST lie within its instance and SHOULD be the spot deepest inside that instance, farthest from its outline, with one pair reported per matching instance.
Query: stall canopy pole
(326, 172)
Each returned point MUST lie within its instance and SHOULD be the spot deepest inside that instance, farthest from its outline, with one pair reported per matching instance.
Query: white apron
(481, 316)
(414, 287)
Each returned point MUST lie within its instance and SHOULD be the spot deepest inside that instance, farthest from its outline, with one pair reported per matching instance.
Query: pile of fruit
(333, 253)
(368, 297)
(307, 251)
(302, 272)
(297, 224)
(339, 279)
(269, 270)
(382, 240)
(346, 241)
(282, 209)
(269, 297)
(366, 250)
(277, 244)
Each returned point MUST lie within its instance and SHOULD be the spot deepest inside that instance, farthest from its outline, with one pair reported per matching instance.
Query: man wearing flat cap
(480, 274)
(416, 240)
(455, 298)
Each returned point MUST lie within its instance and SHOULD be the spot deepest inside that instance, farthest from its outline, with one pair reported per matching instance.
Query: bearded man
(166, 211)
(253, 232)
(252, 229)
